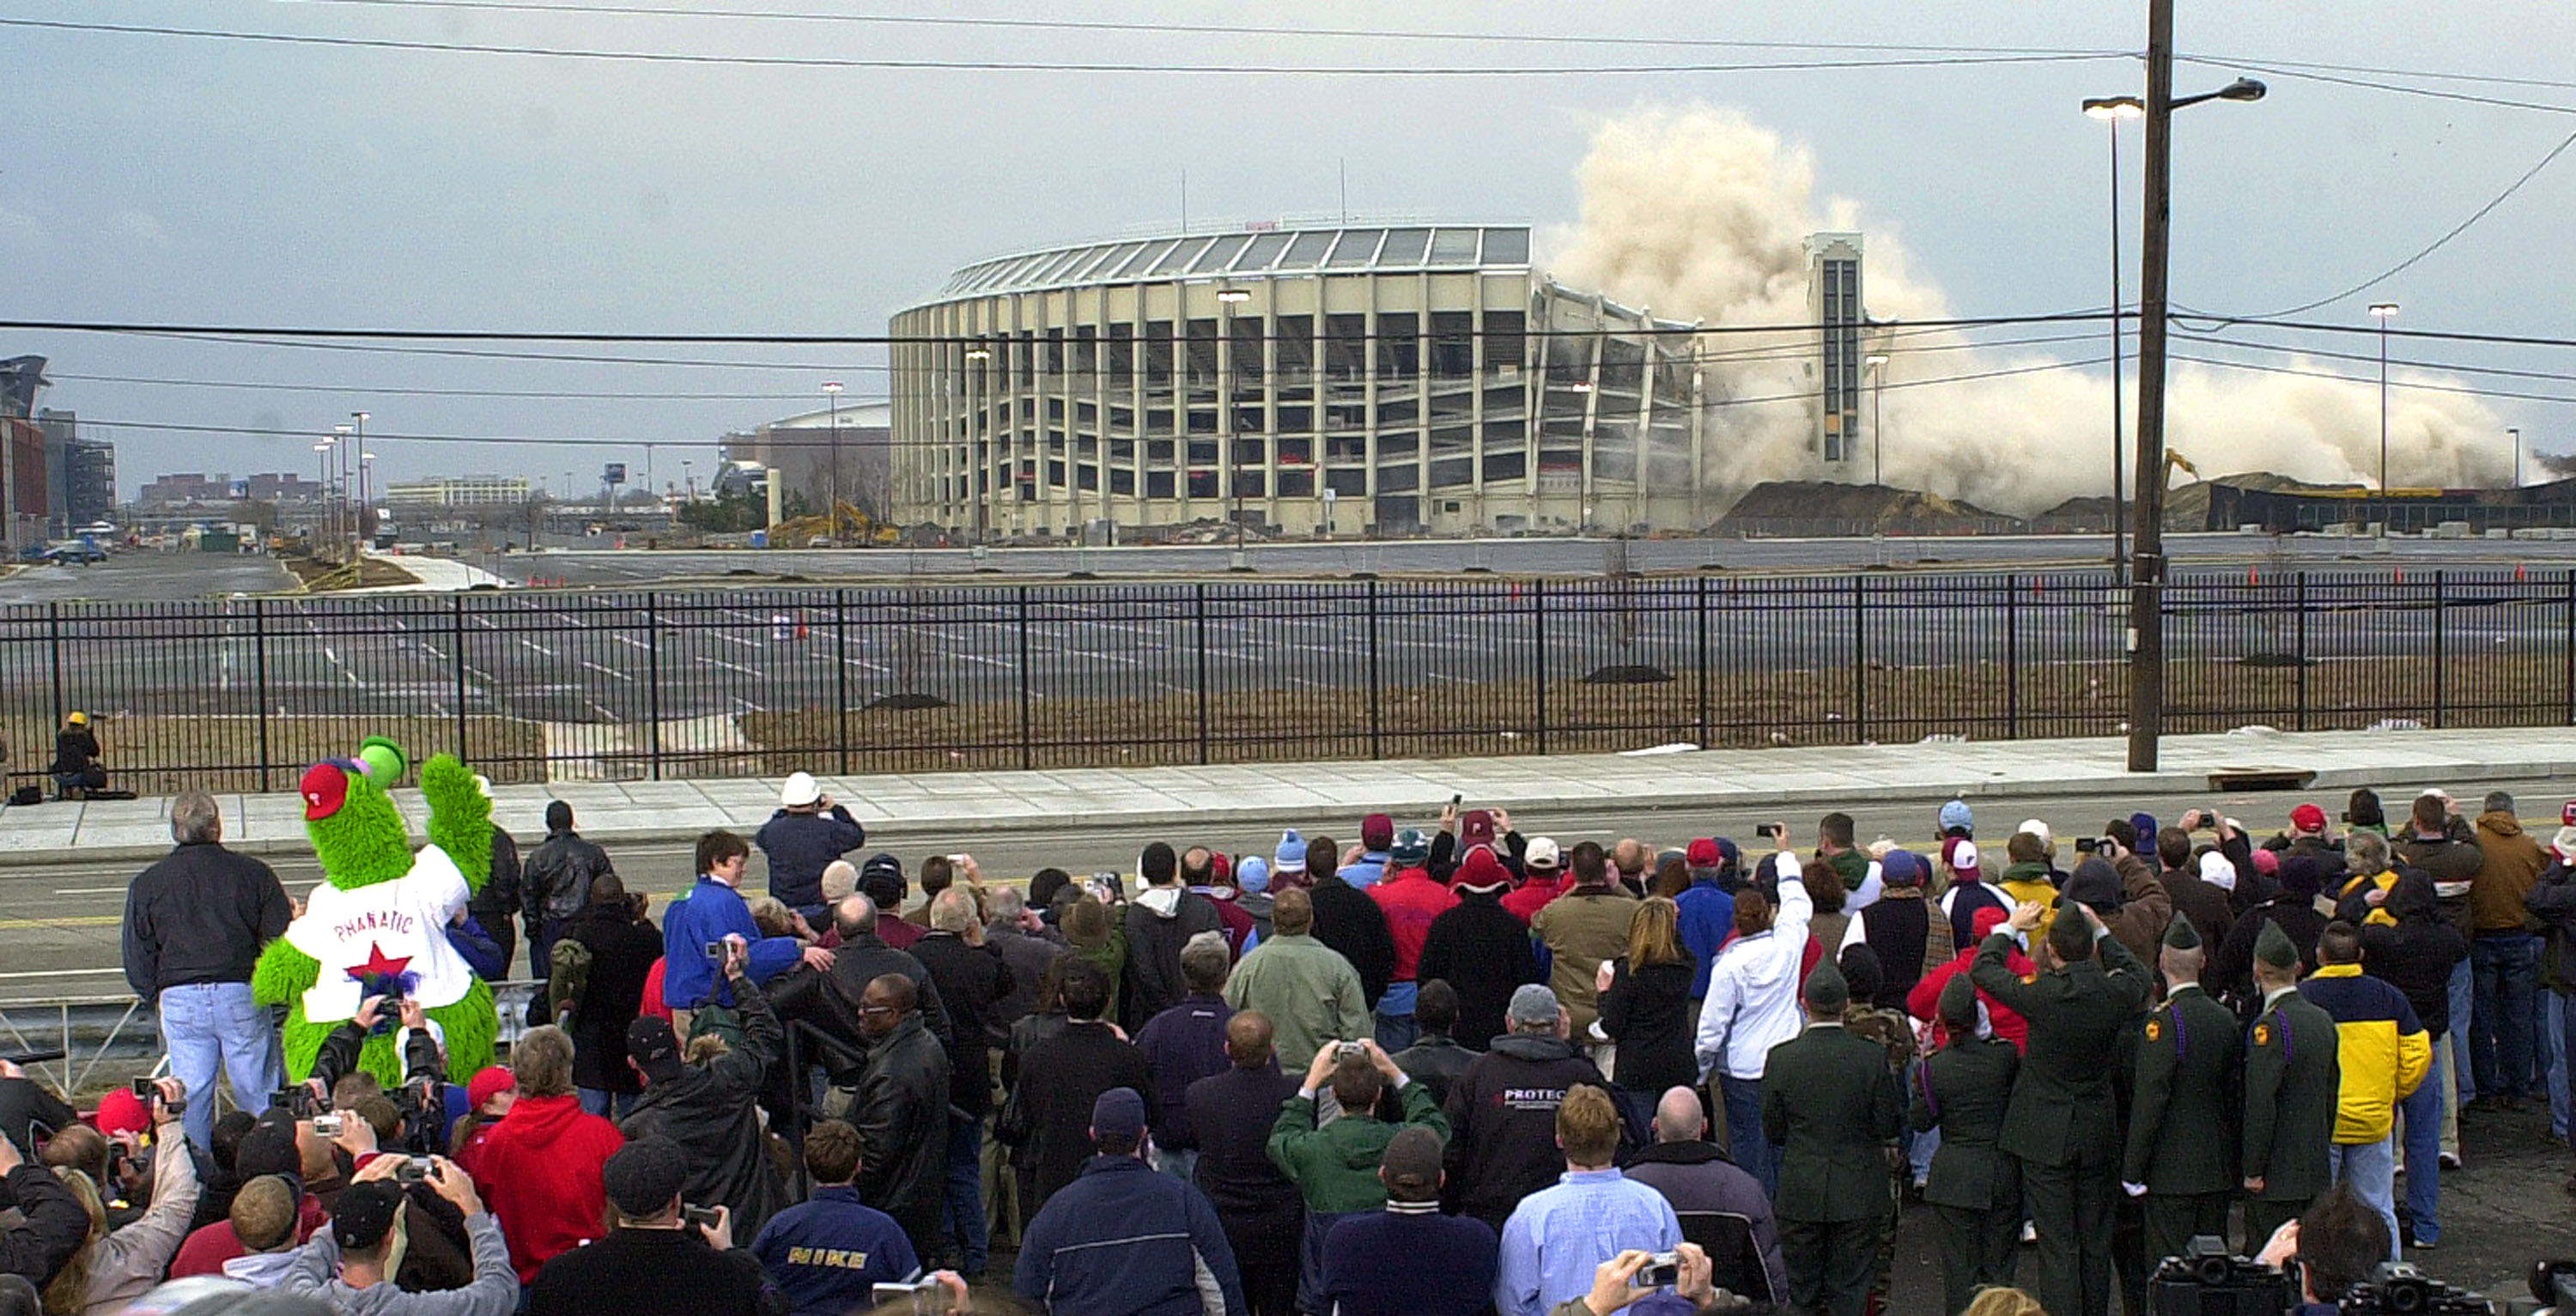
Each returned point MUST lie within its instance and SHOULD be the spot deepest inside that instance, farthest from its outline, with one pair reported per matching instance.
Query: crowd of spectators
(1448, 1069)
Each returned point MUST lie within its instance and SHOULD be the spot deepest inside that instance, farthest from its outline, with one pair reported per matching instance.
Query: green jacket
(2293, 1083)
(1311, 994)
(1335, 1167)
(2062, 1103)
(1829, 1102)
(1962, 1090)
(2186, 1102)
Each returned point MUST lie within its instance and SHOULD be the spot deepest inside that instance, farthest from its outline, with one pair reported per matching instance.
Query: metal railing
(242, 694)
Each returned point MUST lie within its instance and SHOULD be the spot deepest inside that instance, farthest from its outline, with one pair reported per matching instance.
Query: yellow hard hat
(79, 719)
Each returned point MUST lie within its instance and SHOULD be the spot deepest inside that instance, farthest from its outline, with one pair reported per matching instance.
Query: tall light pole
(2383, 312)
(2155, 249)
(2111, 110)
(832, 514)
(1876, 364)
(349, 465)
(322, 502)
(2516, 435)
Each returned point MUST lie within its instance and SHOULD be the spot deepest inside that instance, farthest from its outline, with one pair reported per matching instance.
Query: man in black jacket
(830, 1000)
(1502, 1111)
(1049, 1115)
(555, 883)
(1231, 1115)
(1349, 922)
(708, 1108)
(1435, 1060)
(655, 1263)
(1484, 954)
(1160, 920)
(52, 1224)
(623, 946)
(900, 1109)
(195, 923)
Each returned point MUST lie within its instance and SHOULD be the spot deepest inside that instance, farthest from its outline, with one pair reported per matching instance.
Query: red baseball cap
(120, 1111)
(1703, 853)
(487, 1084)
(325, 788)
(2567, 814)
(2267, 862)
(2310, 818)
(1475, 827)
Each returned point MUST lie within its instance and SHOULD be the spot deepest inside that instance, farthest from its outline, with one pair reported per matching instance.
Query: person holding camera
(1334, 1165)
(113, 1268)
(712, 911)
(352, 1265)
(1557, 1237)
(51, 1221)
(2334, 1247)
(663, 1257)
(711, 1109)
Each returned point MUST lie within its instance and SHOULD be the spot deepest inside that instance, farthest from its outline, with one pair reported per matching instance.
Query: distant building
(22, 475)
(197, 489)
(1834, 304)
(459, 491)
(801, 450)
(80, 474)
(1341, 377)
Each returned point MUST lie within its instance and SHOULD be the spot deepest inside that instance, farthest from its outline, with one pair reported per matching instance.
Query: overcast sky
(157, 178)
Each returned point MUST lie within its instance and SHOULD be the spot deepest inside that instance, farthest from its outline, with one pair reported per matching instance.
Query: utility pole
(2147, 566)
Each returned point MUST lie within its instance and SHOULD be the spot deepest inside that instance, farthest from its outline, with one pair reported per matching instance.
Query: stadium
(1294, 380)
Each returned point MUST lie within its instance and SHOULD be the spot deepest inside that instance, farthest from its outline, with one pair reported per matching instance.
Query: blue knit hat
(1292, 851)
(1253, 875)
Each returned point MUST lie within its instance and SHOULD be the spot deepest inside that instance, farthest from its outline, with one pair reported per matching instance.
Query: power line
(2371, 358)
(2470, 98)
(2417, 385)
(1197, 29)
(1032, 66)
(2440, 335)
(403, 391)
(2438, 243)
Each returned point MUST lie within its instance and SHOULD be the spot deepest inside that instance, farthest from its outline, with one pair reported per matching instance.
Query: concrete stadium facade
(1342, 379)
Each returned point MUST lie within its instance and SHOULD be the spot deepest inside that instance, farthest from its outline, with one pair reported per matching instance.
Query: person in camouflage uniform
(1894, 1033)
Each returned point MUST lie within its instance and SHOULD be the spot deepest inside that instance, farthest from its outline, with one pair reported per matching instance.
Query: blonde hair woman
(1645, 1004)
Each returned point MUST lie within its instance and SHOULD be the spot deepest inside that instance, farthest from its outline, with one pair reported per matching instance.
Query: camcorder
(2208, 1280)
(701, 1217)
(2399, 1289)
(148, 1091)
(2553, 1291)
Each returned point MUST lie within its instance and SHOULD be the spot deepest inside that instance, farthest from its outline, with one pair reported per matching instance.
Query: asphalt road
(1531, 557)
(614, 657)
(70, 948)
(145, 576)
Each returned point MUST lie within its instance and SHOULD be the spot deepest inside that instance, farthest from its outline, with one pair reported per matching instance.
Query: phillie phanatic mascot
(378, 923)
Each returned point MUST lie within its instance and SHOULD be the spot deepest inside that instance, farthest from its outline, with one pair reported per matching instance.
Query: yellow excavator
(857, 527)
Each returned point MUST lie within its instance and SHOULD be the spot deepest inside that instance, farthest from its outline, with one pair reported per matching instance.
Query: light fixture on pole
(2112, 110)
(349, 466)
(2146, 638)
(1876, 363)
(2383, 312)
(832, 513)
(2516, 434)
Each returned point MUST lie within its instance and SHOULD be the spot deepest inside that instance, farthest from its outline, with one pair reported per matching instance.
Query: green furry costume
(360, 839)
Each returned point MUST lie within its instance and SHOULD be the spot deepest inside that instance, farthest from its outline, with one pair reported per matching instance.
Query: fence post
(1198, 640)
(841, 674)
(2299, 651)
(653, 682)
(456, 636)
(2012, 657)
(2567, 646)
(54, 655)
(1860, 659)
(259, 681)
(1375, 751)
(1538, 623)
(2441, 683)
(1702, 619)
(1028, 735)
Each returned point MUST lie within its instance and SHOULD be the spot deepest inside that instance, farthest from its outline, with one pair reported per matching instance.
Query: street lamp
(2517, 456)
(1876, 364)
(2383, 312)
(832, 514)
(2111, 110)
(349, 463)
(2155, 247)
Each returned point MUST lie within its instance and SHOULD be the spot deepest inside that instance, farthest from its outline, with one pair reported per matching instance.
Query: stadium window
(1297, 483)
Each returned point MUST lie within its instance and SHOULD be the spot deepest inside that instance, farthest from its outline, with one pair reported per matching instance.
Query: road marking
(732, 667)
(526, 643)
(90, 891)
(630, 640)
(55, 973)
(606, 671)
(77, 921)
(869, 666)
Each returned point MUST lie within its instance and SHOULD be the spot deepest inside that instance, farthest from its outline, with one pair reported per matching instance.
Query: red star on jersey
(379, 964)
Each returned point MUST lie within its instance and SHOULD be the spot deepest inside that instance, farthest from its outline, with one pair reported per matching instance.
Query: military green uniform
(1831, 1106)
(1974, 1189)
(2292, 1081)
(1894, 1034)
(2183, 1114)
(2062, 1123)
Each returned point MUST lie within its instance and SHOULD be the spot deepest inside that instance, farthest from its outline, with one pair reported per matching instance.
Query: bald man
(1695, 1175)
(1259, 1208)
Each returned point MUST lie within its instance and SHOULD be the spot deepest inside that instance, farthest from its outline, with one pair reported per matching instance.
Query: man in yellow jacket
(2383, 1053)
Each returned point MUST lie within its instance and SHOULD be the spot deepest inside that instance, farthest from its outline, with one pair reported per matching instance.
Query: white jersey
(394, 930)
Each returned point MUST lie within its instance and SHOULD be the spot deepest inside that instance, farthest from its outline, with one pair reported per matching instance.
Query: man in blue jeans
(2504, 957)
(195, 922)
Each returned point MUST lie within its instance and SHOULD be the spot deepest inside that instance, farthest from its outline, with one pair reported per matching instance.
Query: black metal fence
(241, 694)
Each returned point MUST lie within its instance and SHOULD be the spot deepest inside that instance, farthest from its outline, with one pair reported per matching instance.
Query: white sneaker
(2029, 1233)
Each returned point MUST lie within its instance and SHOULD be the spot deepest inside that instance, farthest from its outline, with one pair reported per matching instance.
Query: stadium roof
(1260, 250)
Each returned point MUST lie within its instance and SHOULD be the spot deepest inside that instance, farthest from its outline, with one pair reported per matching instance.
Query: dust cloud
(1699, 214)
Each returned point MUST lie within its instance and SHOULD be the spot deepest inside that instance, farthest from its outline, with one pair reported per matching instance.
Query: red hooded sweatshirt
(539, 1171)
(1924, 1001)
(1412, 899)
(1531, 896)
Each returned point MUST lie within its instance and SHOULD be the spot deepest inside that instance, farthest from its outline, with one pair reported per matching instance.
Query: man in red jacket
(1923, 1002)
(540, 1166)
(1412, 898)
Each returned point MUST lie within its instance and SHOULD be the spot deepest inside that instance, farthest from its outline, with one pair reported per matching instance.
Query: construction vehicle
(858, 528)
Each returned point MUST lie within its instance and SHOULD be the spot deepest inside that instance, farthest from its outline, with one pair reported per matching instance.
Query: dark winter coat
(1483, 953)
(555, 881)
(1049, 1114)
(901, 1113)
(2416, 956)
(1231, 1114)
(1181, 1046)
(801, 845)
(971, 980)
(1154, 941)
(708, 1109)
(1699, 1180)
(1648, 1013)
(1502, 1123)
(622, 951)
(200, 914)
(1029, 955)
(1349, 922)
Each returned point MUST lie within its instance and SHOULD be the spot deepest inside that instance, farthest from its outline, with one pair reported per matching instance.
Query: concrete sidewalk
(946, 804)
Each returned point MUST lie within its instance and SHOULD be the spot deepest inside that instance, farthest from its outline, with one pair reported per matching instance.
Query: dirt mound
(1822, 507)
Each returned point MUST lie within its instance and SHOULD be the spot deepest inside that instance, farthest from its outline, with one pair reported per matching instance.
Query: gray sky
(168, 179)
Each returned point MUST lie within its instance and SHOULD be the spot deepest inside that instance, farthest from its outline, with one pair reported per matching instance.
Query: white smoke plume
(1697, 213)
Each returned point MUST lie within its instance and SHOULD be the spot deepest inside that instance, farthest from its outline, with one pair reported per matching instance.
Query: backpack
(567, 975)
